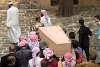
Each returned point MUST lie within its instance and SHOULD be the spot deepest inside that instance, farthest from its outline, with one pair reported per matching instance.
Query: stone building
(48, 3)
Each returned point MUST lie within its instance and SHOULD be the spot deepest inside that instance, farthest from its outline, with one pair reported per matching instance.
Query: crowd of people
(32, 51)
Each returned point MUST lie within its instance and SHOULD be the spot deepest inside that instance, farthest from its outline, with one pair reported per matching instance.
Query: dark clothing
(18, 47)
(11, 65)
(4, 62)
(86, 52)
(45, 63)
(84, 33)
(74, 43)
(23, 56)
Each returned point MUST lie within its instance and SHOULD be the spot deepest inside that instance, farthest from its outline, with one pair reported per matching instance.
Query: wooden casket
(56, 39)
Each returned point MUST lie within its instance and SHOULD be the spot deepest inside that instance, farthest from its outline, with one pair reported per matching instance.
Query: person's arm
(8, 19)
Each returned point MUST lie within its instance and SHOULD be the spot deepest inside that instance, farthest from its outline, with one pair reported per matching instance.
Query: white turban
(44, 12)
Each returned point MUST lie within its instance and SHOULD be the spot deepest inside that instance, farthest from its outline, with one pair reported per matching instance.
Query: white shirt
(12, 16)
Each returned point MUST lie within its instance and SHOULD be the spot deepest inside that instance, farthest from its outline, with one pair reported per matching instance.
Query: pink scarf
(48, 53)
(68, 59)
(23, 43)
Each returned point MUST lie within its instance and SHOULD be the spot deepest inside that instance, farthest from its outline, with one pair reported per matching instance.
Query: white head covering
(10, 2)
(44, 12)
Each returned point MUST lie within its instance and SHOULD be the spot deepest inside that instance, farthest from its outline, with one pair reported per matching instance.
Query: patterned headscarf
(34, 39)
(22, 43)
(68, 59)
(48, 53)
(32, 33)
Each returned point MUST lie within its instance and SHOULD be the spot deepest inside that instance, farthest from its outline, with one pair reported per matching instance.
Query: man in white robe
(45, 19)
(12, 24)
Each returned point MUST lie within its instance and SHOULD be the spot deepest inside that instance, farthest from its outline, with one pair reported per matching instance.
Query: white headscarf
(44, 12)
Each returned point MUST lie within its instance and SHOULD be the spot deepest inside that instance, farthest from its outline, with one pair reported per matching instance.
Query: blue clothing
(98, 33)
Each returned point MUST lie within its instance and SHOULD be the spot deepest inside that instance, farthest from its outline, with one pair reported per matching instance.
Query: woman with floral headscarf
(49, 60)
(45, 19)
(68, 60)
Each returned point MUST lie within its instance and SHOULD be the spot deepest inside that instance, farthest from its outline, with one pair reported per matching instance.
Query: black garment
(84, 33)
(18, 47)
(4, 62)
(42, 45)
(74, 43)
(23, 56)
(11, 65)
(86, 52)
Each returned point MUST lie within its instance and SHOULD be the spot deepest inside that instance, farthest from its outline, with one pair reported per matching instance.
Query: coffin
(56, 39)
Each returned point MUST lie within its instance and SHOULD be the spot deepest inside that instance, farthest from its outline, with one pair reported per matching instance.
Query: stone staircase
(26, 16)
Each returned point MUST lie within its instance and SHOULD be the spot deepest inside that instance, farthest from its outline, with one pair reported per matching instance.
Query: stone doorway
(54, 2)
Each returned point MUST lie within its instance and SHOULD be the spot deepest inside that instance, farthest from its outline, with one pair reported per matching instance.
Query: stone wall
(27, 18)
(89, 2)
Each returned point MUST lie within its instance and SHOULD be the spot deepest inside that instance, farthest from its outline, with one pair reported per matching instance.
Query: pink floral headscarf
(34, 39)
(68, 59)
(22, 43)
(32, 33)
(48, 53)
